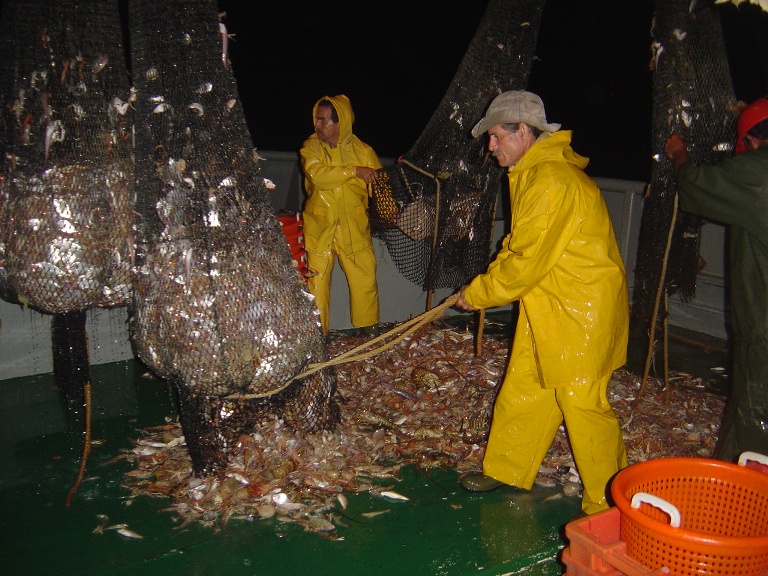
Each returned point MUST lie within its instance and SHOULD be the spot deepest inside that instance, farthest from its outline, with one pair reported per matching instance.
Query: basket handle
(666, 507)
(752, 456)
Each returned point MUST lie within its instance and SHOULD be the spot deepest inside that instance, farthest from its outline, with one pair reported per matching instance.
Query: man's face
(326, 129)
(508, 147)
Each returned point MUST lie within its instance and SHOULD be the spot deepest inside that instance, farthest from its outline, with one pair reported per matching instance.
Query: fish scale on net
(66, 188)
(220, 311)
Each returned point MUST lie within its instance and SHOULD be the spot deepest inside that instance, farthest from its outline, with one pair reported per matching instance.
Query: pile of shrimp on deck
(424, 402)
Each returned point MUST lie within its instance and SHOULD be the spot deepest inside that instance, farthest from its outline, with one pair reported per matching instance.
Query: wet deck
(441, 530)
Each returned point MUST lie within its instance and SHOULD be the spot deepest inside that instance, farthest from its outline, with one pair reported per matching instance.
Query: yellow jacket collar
(551, 147)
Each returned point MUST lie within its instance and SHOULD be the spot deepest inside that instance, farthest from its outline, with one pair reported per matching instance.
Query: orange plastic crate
(595, 548)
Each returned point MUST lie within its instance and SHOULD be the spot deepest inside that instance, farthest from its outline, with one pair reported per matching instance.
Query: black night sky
(396, 59)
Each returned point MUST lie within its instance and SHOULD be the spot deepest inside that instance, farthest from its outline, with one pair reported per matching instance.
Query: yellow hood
(344, 110)
(557, 148)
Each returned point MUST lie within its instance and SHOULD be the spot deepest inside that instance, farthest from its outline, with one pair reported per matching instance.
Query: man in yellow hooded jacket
(338, 167)
(562, 263)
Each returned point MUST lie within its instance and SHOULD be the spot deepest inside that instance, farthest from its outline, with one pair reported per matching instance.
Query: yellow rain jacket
(562, 263)
(336, 217)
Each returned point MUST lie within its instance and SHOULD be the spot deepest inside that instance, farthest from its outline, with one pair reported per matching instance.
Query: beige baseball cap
(513, 107)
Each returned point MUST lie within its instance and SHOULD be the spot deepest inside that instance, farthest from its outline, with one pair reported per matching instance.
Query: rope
(661, 290)
(360, 352)
(480, 328)
(436, 220)
(87, 438)
(481, 315)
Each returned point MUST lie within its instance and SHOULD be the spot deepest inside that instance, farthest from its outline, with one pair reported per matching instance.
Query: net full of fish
(219, 314)
(69, 244)
(67, 188)
(692, 96)
(424, 403)
(219, 309)
(152, 196)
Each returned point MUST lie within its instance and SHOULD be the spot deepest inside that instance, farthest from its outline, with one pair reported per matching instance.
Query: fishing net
(692, 96)
(219, 309)
(182, 232)
(435, 207)
(66, 178)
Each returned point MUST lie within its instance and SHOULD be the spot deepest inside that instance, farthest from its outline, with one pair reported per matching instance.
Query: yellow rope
(660, 290)
(87, 438)
(436, 220)
(480, 328)
(360, 352)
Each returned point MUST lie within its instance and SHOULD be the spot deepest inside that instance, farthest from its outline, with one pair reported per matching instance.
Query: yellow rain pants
(360, 269)
(526, 418)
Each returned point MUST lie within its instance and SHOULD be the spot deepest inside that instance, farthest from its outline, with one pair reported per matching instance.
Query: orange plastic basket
(723, 513)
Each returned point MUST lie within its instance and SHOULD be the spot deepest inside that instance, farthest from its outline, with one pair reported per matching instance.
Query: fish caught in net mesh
(150, 195)
(219, 309)
(692, 96)
(67, 188)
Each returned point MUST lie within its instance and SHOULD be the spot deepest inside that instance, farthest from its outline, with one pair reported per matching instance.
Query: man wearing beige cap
(561, 262)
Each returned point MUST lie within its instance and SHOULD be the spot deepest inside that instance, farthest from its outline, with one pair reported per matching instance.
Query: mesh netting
(692, 96)
(183, 232)
(219, 309)
(435, 208)
(66, 182)
(410, 202)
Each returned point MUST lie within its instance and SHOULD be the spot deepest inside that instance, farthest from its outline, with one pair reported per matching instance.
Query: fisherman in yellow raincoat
(562, 263)
(338, 167)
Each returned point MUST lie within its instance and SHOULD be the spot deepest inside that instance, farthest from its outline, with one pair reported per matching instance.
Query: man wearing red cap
(735, 193)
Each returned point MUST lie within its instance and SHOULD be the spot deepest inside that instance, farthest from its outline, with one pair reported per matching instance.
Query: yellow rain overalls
(336, 218)
(562, 262)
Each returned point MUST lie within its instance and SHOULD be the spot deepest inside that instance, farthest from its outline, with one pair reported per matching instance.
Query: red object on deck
(723, 510)
(597, 549)
(677, 517)
(293, 229)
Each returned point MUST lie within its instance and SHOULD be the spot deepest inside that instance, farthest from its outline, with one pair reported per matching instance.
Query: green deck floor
(442, 530)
